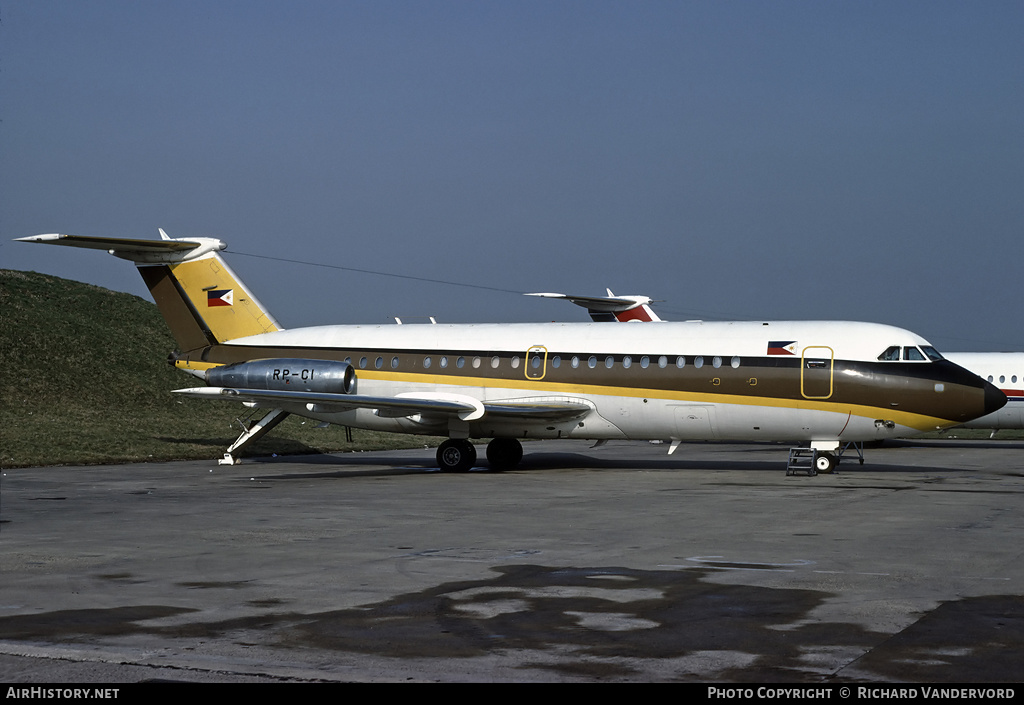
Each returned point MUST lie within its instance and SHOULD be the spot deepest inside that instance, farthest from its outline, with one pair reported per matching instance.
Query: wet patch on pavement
(600, 623)
(975, 640)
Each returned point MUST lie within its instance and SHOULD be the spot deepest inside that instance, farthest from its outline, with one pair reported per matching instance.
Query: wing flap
(538, 409)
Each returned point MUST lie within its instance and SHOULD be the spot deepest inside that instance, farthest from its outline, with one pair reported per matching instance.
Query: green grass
(86, 380)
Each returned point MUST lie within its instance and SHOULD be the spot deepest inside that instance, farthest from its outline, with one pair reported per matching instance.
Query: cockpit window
(910, 353)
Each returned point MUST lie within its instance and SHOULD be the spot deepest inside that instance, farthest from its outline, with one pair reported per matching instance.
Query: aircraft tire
(456, 455)
(504, 453)
(825, 463)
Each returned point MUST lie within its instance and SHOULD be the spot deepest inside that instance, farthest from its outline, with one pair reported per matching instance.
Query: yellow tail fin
(201, 299)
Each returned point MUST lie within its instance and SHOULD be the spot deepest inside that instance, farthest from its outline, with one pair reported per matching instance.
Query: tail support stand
(252, 434)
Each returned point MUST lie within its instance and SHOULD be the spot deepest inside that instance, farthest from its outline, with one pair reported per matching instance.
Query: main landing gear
(456, 455)
(459, 455)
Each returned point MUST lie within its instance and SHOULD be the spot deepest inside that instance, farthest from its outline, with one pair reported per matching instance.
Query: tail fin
(640, 311)
(201, 299)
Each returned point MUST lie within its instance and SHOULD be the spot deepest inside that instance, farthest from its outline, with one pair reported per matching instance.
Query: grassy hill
(85, 380)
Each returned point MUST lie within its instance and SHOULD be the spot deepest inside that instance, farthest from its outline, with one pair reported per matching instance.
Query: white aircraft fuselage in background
(1005, 370)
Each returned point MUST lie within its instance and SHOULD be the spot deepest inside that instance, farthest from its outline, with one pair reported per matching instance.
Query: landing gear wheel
(504, 453)
(825, 463)
(456, 455)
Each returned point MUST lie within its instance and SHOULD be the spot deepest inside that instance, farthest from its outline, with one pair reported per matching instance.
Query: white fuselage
(1005, 371)
(786, 380)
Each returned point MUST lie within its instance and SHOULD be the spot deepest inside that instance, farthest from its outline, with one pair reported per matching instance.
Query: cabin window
(663, 362)
(378, 363)
(460, 362)
(426, 363)
(362, 363)
(609, 362)
(394, 363)
(645, 361)
(444, 362)
(698, 361)
(495, 361)
(515, 362)
(1014, 379)
(735, 362)
(627, 362)
(680, 362)
(476, 362)
(575, 362)
(556, 361)
(1002, 378)
(592, 362)
(716, 362)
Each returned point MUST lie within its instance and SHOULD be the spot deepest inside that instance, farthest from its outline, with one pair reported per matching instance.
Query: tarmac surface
(615, 563)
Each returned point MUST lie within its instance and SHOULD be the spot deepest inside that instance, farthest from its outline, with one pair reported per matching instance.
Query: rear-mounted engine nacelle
(289, 374)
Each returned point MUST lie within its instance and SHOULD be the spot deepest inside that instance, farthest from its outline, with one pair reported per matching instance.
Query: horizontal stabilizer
(143, 251)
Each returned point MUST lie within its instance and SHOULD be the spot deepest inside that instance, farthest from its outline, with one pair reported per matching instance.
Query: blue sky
(735, 160)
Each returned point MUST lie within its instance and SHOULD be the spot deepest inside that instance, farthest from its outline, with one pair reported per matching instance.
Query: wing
(465, 407)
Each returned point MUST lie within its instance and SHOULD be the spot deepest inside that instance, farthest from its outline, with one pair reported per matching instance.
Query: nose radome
(994, 399)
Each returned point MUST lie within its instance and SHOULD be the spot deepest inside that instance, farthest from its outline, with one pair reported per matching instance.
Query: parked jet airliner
(1006, 369)
(819, 382)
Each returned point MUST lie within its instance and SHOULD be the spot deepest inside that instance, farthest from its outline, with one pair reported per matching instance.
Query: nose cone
(978, 397)
(994, 399)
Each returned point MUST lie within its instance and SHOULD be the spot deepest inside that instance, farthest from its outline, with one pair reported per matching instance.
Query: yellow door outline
(814, 363)
(536, 362)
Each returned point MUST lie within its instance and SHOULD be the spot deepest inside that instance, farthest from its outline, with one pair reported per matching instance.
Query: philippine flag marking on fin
(220, 297)
(782, 347)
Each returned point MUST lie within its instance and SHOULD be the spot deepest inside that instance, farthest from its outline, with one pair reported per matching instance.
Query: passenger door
(816, 372)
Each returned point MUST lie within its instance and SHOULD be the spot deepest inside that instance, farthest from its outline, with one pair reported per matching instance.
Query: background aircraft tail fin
(200, 297)
(611, 307)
